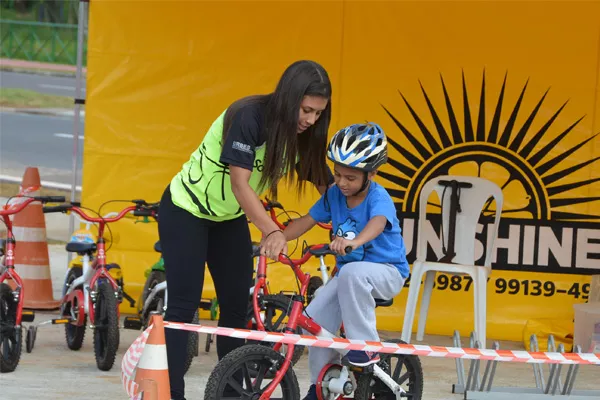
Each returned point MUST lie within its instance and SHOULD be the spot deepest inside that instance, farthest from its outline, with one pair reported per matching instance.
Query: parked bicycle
(12, 298)
(94, 290)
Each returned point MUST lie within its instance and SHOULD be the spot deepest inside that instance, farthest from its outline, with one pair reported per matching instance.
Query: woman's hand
(274, 244)
(339, 244)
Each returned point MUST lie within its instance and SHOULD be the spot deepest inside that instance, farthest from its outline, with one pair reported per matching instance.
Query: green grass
(22, 98)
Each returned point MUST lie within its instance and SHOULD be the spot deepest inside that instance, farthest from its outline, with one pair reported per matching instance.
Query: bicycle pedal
(368, 369)
(62, 321)
(132, 323)
(27, 316)
(205, 304)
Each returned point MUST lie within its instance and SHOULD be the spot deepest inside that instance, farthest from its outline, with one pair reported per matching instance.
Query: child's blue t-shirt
(387, 248)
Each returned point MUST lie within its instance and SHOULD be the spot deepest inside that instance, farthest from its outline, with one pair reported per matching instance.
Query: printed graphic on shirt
(246, 148)
(349, 231)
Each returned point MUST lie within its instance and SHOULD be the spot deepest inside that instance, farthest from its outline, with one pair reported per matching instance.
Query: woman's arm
(249, 200)
(299, 227)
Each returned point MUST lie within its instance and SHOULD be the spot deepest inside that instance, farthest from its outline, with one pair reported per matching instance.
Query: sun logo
(510, 156)
(540, 196)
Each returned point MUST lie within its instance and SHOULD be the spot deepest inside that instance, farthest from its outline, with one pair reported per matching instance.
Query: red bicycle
(258, 371)
(91, 291)
(11, 300)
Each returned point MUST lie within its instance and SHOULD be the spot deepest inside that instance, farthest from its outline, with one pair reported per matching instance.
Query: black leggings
(188, 242)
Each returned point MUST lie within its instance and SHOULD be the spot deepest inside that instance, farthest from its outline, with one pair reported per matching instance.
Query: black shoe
(312, 393)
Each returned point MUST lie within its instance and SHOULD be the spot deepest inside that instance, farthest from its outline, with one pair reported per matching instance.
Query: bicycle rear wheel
(11, 337)
(405, 370)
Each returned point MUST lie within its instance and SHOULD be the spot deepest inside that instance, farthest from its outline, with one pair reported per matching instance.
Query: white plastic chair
(472, 201)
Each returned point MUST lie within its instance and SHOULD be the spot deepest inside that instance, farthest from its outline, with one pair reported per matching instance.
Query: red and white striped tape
(134, 352)
(394, 348)
(130, 361)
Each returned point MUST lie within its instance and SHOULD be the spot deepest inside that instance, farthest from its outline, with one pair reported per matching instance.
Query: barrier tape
(129, 363)
(134, 352)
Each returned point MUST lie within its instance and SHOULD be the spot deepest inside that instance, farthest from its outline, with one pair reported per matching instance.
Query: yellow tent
(505, 90)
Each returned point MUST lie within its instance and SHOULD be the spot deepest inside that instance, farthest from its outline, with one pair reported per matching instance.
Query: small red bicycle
(91, 291)
(260, 372)
(11, 300)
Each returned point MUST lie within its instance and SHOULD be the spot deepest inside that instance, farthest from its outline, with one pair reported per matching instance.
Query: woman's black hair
(284, 146)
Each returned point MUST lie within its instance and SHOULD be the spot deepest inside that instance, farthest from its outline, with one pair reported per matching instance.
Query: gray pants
(350, 297)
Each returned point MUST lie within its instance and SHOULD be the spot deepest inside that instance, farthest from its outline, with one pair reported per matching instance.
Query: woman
(203, 212)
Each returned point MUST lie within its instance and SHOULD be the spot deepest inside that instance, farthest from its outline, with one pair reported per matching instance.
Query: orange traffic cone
(32, 261)
(153, 361)
(149, 388)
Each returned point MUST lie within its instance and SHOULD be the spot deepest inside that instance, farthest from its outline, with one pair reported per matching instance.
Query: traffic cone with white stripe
(32, 261)
(153, 363)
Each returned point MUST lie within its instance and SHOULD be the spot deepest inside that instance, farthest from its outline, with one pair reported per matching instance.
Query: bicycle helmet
(360, 146)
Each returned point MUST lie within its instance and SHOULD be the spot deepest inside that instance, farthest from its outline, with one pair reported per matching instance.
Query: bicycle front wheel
(231, 378)
(275, 310)
(106, 326)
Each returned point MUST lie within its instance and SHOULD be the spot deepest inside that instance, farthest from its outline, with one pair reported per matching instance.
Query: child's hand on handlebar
(274, 244)
(340, 244)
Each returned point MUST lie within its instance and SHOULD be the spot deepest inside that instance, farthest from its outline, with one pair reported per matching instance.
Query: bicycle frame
(298, 319)
(93, 271)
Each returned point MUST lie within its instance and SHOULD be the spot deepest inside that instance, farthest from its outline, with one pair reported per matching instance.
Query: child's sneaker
(312, 393)
(362, 358)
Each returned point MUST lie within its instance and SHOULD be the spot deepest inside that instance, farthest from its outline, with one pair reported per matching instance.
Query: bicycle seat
(81, 248)
(383, 303)
(255, 249)
(323, 251)
(157, 247)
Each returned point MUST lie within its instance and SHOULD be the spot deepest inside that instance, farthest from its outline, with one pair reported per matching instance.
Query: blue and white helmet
(360, 146)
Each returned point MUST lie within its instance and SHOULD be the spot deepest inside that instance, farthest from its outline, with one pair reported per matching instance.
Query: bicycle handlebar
(59, 208)
(143, 213)
(15, 208)
(317, 250)
(270, 206)
(82, 214)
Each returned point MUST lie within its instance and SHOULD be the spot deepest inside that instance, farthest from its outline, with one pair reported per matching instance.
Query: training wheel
(328, 372)
(30, 338)
(208, 342)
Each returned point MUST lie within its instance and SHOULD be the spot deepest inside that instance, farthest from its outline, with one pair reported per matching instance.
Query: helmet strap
(365, 183)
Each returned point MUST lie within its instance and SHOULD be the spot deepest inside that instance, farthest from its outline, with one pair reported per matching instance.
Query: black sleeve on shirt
(312, 180)
(242, 140)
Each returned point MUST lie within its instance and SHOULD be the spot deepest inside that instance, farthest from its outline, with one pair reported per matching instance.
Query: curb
(41, 68)
(25, 70)
(60, 112)
(45, 184)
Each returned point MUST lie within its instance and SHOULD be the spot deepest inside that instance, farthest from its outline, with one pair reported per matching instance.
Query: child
(363, 217)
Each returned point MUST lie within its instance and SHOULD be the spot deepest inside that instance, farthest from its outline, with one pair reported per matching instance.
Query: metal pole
(83, 8)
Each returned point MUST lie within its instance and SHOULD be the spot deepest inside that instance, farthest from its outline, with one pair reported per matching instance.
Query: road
(55, 85)
(38, 140)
